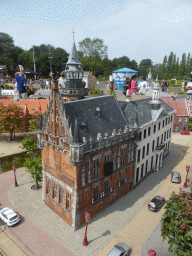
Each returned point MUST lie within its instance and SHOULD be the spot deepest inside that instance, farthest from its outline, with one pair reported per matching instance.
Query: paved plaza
(42, 232)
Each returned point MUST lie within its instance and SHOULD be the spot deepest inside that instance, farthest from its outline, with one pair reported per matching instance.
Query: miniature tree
(34, 167)
(30, 144)
(11, 118)
(34, 122)
(177, 223)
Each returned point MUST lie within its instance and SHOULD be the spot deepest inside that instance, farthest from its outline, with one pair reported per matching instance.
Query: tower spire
(73, 35)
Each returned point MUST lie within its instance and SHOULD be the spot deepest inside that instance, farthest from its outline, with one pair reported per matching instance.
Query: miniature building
(155, 121)
(85, 146)
(182, 114)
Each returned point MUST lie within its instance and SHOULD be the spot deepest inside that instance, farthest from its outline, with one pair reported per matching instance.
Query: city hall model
(89, 146)
(85, 147)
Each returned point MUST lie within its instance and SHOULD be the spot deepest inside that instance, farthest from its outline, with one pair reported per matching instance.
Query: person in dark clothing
(21, 84)
(126, 85)
(164, 86)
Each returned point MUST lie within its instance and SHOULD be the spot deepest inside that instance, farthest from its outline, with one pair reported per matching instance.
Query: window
(83, 179)
(96, 168)
(106, 187)
(140, 136)
(165, 136)
(169, 132)
(60, 196)
(166, 120)
(142, 168)
(107, 158)
(171, 118)
(89, 176)
(147, 149)
(129, 158)
(161, 138)
(152, 163)
(143, 155)
(154, 129)
(169, 121)
(153, 145)
(186, 119)
(123, 156)
(96, 193)
(54, 191)
(122, 177)
(48, 187)
(163, 123)
(145, 132)
(132, 155)
(138, 155)
(179, 119)
(149, 131)
(137, 175)
(146, 166)
(157, 141)
(68, 201)
(118, 158)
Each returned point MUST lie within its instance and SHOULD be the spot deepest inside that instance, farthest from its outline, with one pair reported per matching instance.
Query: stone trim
(96, 157)
(107, 153)
(61, 183)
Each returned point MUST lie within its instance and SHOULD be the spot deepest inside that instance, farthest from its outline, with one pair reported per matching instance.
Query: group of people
(131, 86)
(164, 85)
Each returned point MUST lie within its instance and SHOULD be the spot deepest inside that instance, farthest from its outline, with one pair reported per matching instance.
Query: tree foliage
(30, 144)
(34, 167)
(11, 118)
(177, 223)
(34, 122)
(94, 48)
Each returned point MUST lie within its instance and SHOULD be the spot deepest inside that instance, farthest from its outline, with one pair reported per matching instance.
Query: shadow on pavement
(107, 232)
(152, 180)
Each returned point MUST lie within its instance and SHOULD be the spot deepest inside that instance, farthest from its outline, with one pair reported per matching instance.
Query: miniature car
(156, 203)
(120, 249)
(175, 177)
(9, 216)
(185, 133)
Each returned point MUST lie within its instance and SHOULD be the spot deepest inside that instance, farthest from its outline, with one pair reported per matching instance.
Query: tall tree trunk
(37, 185)
(11, 136)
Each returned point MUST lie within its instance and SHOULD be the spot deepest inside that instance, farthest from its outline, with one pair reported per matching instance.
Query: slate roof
(42, 93)
(178, 104)
(141, 111)
(85, 110)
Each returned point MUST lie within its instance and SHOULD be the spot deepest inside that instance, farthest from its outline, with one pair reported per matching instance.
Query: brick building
(29, 107)
(88, 149)
(181, 116)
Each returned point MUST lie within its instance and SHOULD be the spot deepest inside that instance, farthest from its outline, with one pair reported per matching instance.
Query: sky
(138, 29)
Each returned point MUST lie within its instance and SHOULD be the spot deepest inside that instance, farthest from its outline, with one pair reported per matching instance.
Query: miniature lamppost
(15, 180)
(87, 219)
(187, 170)
(152, 253)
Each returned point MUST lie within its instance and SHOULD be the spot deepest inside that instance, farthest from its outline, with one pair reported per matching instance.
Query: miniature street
(127, 220)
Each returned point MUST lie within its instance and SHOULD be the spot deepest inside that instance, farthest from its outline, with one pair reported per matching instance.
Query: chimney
(55, 90)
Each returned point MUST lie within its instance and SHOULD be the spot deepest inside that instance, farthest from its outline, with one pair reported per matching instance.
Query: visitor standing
(126, 85)
(188, 87)
(21, 84)
(133, 86)
(61, 80)
(142, 85)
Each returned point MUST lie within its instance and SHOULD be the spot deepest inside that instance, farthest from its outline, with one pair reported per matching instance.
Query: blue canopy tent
(120, 76)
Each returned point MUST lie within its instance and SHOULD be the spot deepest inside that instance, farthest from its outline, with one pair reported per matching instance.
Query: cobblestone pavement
(139, 228)
(26, 234)
(110, 225)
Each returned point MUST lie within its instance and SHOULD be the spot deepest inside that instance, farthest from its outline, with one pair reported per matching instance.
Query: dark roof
(140, 110)
(85, 111)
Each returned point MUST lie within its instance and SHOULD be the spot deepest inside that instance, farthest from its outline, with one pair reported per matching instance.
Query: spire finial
(73, 34)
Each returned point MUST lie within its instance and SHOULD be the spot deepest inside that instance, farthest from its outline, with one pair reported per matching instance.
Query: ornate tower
(74, 89)
(155, 103)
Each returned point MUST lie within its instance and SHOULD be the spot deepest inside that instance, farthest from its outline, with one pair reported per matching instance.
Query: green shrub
(113, 92)
(181, 93)
(6, 86)
(91, 92)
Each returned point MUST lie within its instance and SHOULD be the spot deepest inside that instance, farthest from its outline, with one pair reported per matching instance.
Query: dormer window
(98, 111)
(84, 125)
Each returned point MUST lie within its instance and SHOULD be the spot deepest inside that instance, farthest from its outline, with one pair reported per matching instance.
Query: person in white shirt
(188, 87)
(61, 80)
(143, 84)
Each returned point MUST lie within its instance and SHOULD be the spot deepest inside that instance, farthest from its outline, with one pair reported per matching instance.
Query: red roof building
(181, 117)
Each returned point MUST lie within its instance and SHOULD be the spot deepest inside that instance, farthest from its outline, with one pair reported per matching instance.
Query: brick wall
(180, 123)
